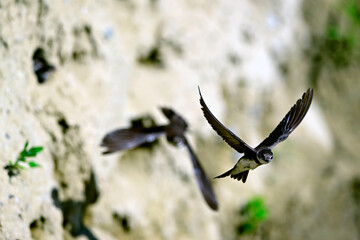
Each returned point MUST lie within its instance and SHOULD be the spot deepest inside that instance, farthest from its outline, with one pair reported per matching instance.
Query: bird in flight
(129, 138)
(262, 154)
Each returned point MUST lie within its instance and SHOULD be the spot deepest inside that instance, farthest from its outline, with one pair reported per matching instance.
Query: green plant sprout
(13, 168)
(253, 212)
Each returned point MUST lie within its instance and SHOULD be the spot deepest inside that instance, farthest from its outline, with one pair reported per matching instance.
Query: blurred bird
(128, 138)
(262, 154)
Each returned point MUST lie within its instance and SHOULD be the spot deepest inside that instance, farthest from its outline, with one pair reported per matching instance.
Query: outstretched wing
(128, 138)
(291, 120)
(201, 179)
(228, 136)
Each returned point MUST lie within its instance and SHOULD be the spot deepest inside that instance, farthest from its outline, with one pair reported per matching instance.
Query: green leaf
(245, 227)
(260, 215)
(14, 168)
(26, 145)
(255, 210)
(33, 164)
(23, 152)
(34, 151)
(21, 159)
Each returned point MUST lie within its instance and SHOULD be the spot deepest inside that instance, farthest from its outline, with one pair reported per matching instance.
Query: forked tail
(225, 174)
(240, 176)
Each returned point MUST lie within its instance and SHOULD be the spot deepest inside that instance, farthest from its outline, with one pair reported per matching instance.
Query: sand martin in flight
(128, 138)
(262, 154)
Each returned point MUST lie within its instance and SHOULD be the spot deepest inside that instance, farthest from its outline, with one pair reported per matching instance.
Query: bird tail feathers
(225, 174)
(240, 176)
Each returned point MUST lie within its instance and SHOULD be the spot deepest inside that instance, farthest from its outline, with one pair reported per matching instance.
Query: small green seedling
(13, 168)
(253, 213)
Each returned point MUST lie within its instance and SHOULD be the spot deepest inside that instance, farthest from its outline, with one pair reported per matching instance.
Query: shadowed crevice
(74, 211)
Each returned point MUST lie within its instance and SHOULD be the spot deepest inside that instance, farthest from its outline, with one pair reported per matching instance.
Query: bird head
(175, 119)
(265, 156)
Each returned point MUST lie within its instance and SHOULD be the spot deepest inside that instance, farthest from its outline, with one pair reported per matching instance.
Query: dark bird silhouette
(128, 138)
(262, 154)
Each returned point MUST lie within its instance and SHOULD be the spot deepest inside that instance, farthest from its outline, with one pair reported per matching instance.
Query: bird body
(244, 164)
(129, 138)
(262, 154)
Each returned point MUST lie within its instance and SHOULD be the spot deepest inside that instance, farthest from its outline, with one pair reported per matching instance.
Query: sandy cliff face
(117, 60)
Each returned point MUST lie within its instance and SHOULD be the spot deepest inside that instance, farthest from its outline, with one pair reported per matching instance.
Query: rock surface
(117, 60)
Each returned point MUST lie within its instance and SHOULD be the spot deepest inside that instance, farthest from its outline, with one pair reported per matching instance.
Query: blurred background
(104, 63)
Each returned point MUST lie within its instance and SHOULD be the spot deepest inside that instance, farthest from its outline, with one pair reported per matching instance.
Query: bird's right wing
(201, 179)
(128, 138)
(291, 120)
(228, 136)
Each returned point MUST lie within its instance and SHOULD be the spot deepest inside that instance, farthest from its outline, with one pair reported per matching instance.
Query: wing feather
(202, 180)
(228, 136)
(128, 138)
(291, 120)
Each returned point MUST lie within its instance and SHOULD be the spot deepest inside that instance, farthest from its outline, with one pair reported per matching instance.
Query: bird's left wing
(228, 136)
(291, 120)
(201, 179)
(128, 138)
